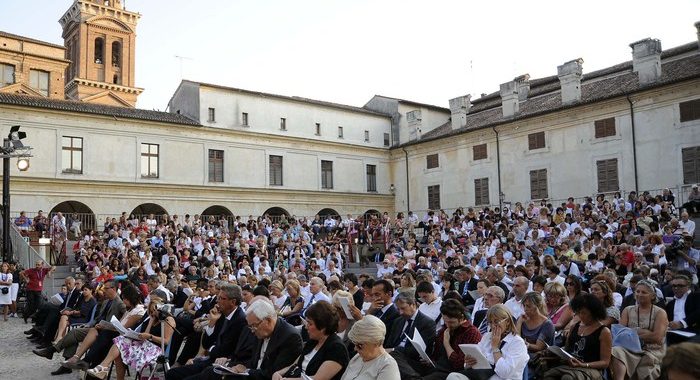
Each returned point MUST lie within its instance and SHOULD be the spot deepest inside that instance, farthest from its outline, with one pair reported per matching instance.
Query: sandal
(99, 372)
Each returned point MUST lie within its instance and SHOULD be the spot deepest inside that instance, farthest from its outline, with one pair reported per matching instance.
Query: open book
(474, 351)
(345, 303)
(223, 370)
(560, 352)
(419, 344)
(129, 333)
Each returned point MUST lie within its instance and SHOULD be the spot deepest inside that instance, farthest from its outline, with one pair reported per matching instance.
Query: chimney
(697, 26)
(570, 79)
(459, 108)
(523, 86)
(509, 99)
(646, 60)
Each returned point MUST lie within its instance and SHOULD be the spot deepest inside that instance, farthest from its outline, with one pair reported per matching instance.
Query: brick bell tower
(100, 40)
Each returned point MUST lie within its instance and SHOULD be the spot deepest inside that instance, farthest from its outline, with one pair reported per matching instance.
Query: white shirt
(432, 310)
(320, 296)
(679, 310)
(515, 307)
(513, 359)
(688, 226)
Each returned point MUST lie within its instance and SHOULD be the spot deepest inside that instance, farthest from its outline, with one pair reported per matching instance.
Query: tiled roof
(292, 98)
(23, 38)
(545, 96)
(94, 109)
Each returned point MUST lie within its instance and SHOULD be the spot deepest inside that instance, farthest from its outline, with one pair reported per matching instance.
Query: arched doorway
(218, 212)
(146, 209)
(328, 211)
(79, 217)
(277, 214)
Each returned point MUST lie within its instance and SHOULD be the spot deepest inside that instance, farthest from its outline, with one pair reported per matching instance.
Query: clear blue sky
(347, 51)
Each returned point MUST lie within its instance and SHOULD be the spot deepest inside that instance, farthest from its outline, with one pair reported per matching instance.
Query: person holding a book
(588, 345)
(502, 347)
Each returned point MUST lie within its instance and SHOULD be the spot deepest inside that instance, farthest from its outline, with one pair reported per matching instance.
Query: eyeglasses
(255, 326)
(570, 284)
(679, 286)
(359, 346)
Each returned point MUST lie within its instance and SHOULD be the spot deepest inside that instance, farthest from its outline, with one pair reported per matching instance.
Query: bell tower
(100, 40)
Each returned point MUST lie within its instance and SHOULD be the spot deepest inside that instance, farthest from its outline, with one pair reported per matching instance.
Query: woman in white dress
(5, 284)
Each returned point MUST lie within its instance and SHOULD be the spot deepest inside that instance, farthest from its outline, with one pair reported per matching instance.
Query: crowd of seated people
(274, 299)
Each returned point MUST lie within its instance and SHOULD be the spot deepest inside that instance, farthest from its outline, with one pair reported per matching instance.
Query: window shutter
(690, 110)
(607, 176)
(691, 165)
(538, 184)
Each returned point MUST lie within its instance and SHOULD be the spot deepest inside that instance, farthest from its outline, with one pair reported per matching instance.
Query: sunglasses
(679, 286)
(570, 284)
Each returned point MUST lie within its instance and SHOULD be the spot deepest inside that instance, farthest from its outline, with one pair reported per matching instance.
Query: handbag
(293, 372)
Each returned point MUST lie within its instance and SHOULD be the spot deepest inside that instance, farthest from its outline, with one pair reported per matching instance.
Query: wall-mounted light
(392, 188)
(23, 164)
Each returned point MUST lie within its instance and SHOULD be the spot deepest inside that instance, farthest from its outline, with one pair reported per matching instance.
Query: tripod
(162, 359)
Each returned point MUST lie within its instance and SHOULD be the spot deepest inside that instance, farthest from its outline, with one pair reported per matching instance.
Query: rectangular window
(276, 171)
(340, 132)
(7, 75)
(605, 127)
(244, 119)
(149, 160)
(538, 184)
(283, 123)
(480, 152)
(535, 140)
(366, 136)
(72, 155)
(434, 197)
(432, 161)
(39, 80)
(318, 129)
(372, 178)
(607, 175)
(212, 115)
(387, 140)
(326, 174)
(481, 191)
(216, 165)
(691, 165)
(690, 110)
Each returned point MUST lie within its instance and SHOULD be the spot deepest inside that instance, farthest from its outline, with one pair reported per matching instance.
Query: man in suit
(220, 337)
(683, 311)
(467, 283)
(495, 277)
(48, 315)
(410, 323)
(111, 306)
(278, 343)
(382, 305)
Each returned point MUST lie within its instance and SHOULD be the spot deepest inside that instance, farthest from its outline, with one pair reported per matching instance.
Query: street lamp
(12, 147)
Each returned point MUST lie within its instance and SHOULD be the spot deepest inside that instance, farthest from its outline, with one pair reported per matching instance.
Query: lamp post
(11, 147)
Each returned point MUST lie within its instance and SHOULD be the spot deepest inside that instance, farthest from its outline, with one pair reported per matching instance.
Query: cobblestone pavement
(16, 358)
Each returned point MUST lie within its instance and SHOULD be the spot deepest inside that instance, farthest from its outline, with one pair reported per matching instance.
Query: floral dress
(138, 353)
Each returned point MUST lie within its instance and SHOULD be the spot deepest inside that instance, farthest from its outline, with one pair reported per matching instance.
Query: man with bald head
(520, 286)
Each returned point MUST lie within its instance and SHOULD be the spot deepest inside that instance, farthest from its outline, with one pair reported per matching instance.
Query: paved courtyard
(16, 358)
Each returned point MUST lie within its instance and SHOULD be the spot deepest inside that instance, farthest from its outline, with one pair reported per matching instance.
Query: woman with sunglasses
(372, 362)
(504, 349)
(573, 286)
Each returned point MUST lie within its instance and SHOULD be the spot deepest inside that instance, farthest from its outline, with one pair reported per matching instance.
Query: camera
(164, 311)
(674, 249)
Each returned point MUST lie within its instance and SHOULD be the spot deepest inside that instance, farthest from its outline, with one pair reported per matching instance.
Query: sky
(347, 51)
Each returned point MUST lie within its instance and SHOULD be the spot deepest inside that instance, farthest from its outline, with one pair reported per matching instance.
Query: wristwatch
(497, 351)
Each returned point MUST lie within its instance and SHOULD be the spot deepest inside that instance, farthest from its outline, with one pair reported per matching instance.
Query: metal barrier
(24, 254)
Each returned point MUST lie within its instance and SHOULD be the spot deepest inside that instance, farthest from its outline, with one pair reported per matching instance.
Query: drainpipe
(408, 189)
(634, 144)
(498, 165)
